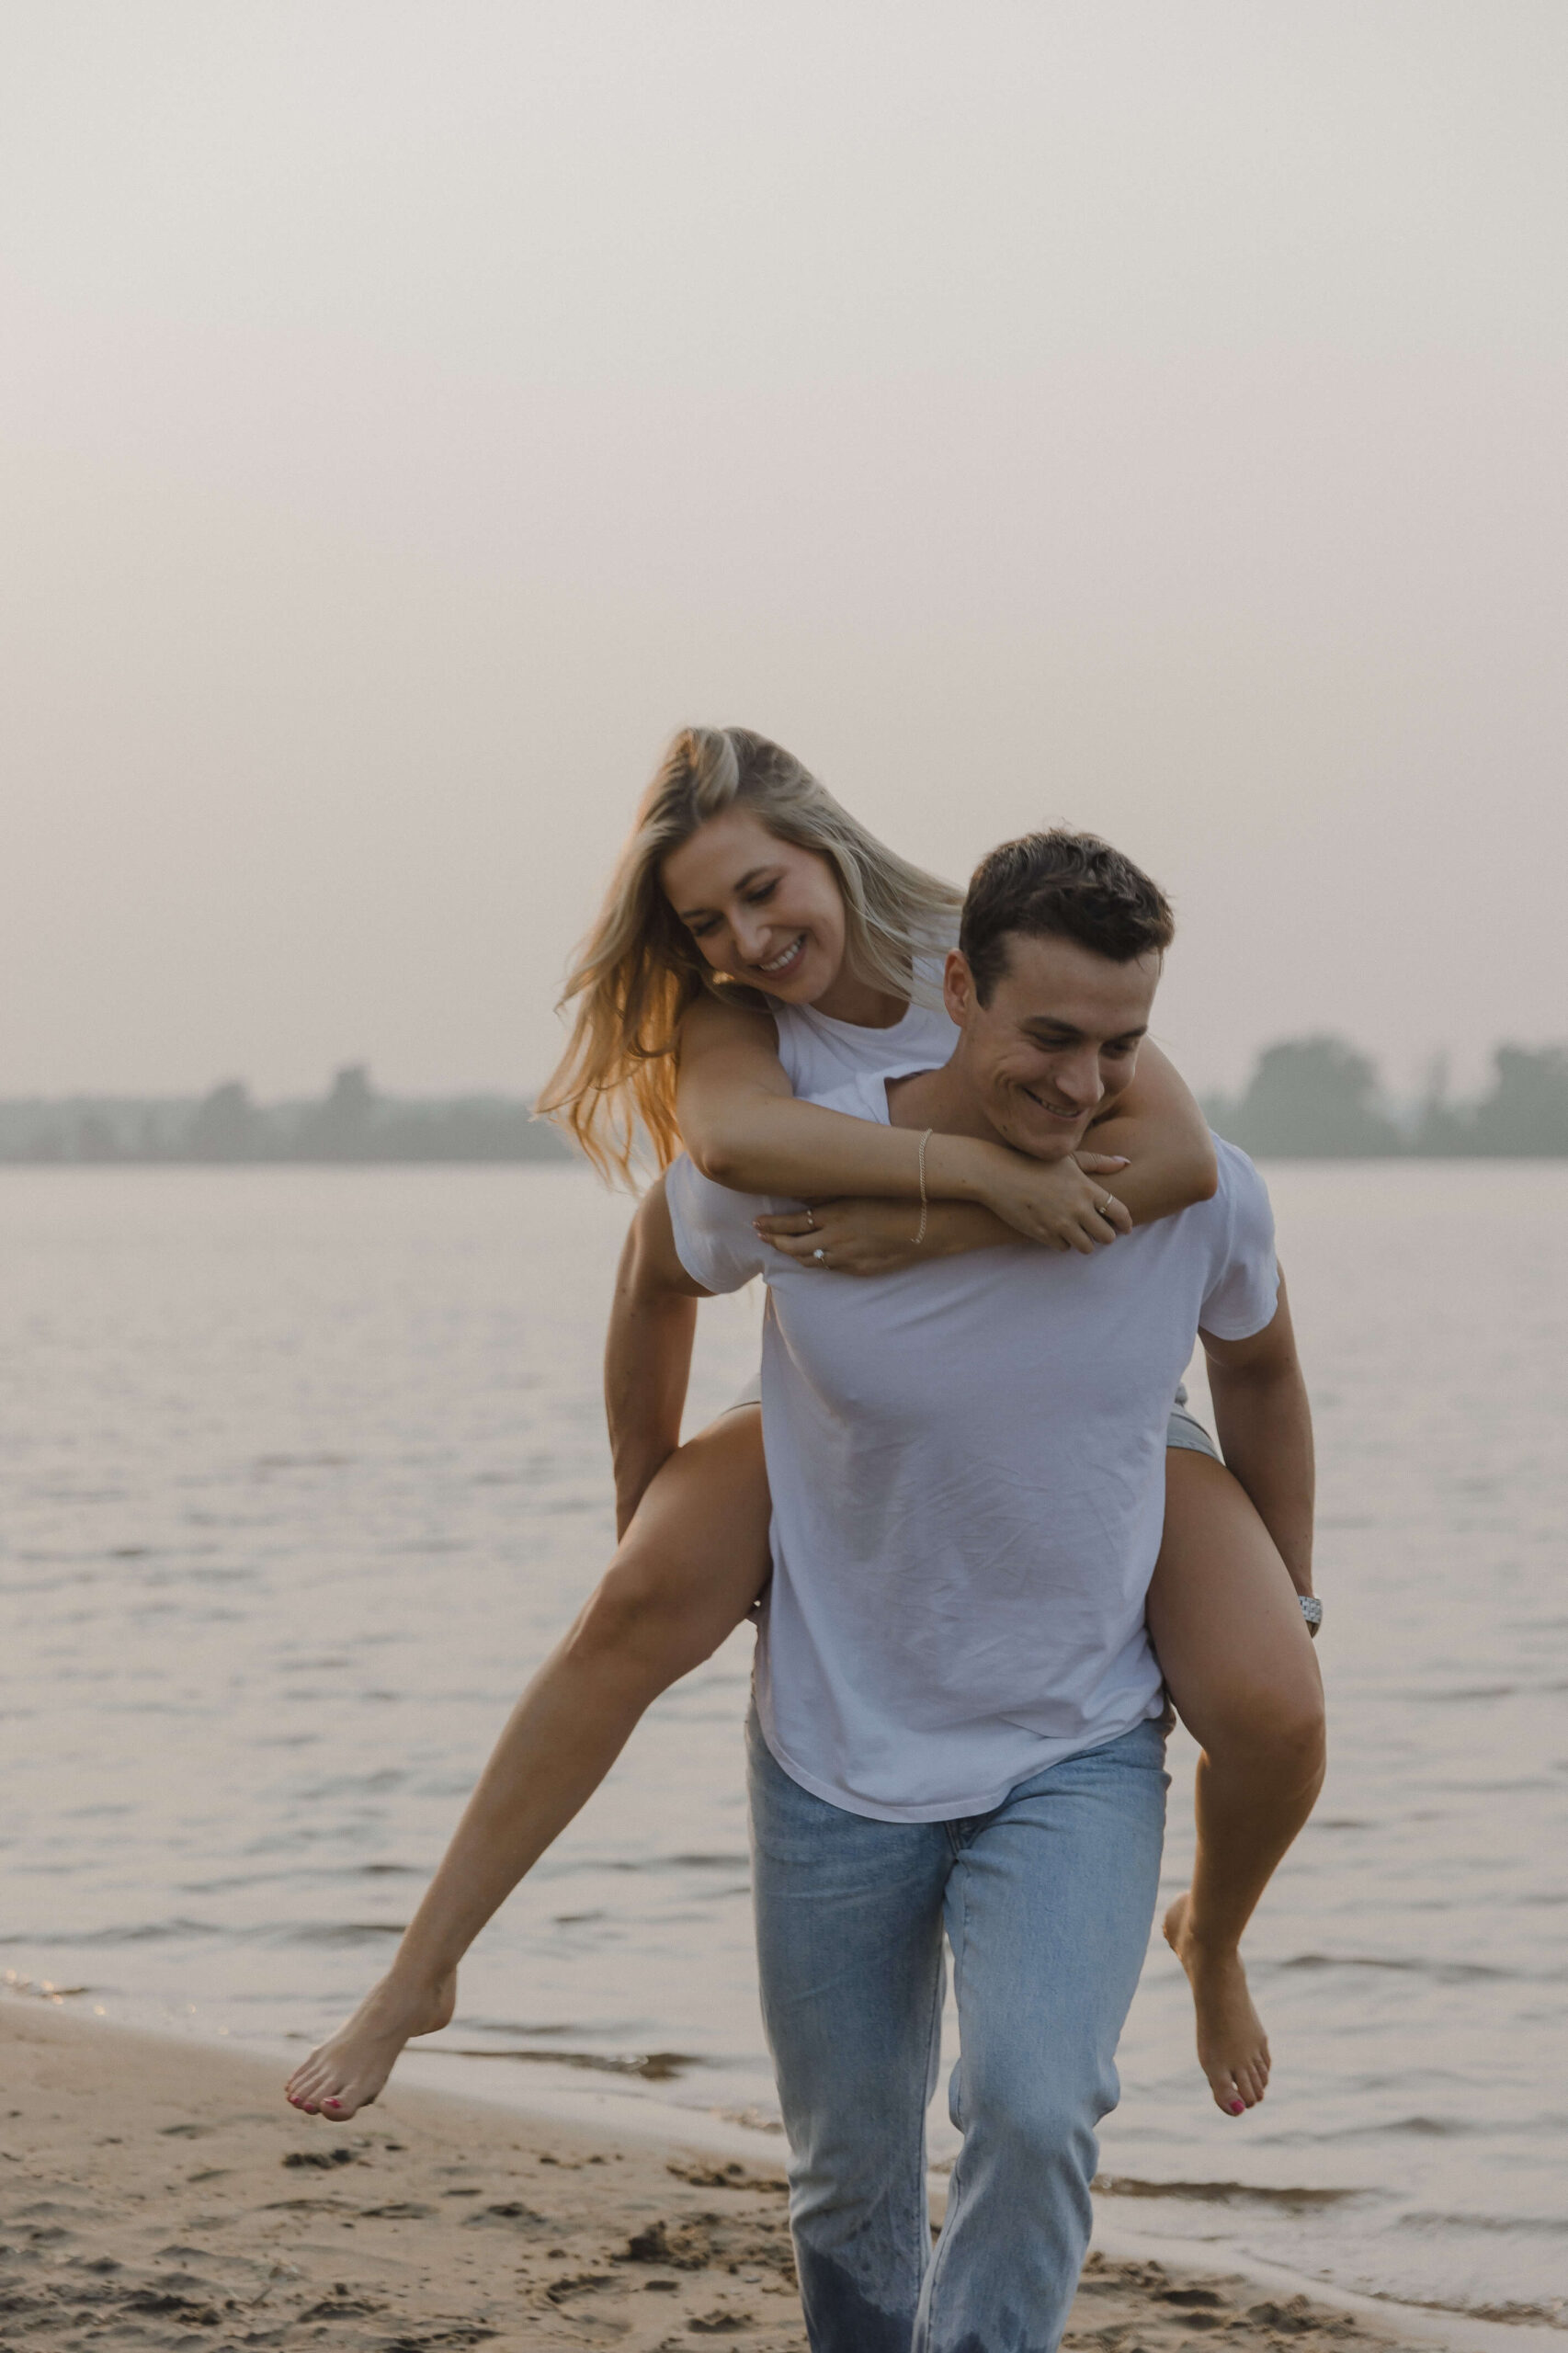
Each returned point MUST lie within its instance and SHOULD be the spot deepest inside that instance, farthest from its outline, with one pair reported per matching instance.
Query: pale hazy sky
(1151, 416)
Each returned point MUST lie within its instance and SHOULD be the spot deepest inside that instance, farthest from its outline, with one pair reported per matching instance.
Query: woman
(750, 911)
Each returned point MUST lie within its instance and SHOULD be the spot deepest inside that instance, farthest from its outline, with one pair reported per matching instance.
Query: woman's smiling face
(759, 908)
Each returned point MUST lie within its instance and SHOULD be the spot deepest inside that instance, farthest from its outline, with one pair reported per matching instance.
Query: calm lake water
(305, 1469)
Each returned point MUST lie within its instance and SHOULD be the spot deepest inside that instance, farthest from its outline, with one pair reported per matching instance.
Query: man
(958, 1717)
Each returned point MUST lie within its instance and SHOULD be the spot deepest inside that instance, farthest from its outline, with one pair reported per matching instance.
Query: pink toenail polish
(1238, 2107)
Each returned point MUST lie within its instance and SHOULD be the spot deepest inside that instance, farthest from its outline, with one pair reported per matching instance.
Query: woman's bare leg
(686, 1572)
(1239, 1662)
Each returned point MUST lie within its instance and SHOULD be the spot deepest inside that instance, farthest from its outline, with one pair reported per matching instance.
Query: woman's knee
(691, 1563)
(1273, 1724)
(629, 1615)
(644, 1615)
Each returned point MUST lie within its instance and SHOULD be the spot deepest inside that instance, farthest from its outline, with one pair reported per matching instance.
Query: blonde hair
(638, 970)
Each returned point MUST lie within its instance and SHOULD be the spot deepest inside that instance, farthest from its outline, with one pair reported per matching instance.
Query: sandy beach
(162, 2193)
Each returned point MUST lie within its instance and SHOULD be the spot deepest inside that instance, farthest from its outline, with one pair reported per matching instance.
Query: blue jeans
(1047, 1901)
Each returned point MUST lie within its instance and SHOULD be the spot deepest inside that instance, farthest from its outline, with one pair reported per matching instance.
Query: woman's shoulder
(715, 1019)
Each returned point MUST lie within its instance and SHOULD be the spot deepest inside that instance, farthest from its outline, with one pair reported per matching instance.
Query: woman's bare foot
(1233, 2049)
(347, 2070)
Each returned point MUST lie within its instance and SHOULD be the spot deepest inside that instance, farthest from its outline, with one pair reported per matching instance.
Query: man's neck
(939, 1098)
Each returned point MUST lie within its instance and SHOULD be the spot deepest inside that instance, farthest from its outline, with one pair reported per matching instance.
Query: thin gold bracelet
(925, 1204)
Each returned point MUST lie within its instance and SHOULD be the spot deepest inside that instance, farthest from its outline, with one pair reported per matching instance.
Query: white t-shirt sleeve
(714, 1238)
(1243, 1287)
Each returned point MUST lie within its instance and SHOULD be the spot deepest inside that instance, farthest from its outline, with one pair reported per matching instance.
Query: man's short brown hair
(1064, 886)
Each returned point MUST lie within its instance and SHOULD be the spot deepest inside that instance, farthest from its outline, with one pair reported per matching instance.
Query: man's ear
(958, 986)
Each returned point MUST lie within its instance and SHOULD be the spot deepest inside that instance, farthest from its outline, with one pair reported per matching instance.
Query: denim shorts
(1184, 1428)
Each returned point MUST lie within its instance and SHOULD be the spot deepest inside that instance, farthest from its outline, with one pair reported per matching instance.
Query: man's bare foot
(1233, 2049)
(345, 2074)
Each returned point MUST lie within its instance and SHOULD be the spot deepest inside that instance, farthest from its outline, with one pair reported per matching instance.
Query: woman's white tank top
(820, 1054)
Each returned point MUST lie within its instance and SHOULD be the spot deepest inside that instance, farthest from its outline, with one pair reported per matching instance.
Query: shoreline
(160, 2191)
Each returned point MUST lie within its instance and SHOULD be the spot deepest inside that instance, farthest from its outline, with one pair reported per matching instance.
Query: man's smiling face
(1057, 1040)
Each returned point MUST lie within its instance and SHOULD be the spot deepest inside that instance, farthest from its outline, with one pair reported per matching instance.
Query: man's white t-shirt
(967, 1461)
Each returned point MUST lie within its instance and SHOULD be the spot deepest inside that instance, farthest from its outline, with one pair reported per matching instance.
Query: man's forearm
(647, 1364)
(1265, 1427)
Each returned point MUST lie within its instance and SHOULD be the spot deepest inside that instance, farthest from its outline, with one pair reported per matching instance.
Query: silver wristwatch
(1311, 1610)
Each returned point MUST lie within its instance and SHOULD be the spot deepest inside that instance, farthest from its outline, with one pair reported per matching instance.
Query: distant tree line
(351, 1122)
(1309, 1098)
(1318, 1098)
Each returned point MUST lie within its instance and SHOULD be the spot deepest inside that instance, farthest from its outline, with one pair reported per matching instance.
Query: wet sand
(161, 2193)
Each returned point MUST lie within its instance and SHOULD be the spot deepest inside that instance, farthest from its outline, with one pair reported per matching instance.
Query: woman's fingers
(787, 1222)
(1101, 1220)
(845, 1254)
(1094, 1229)
(793, 1245)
